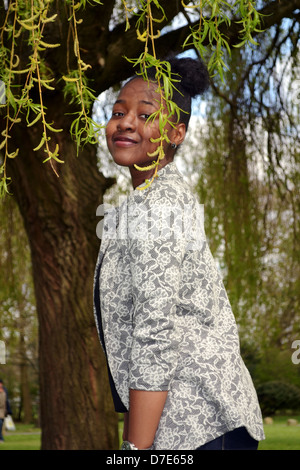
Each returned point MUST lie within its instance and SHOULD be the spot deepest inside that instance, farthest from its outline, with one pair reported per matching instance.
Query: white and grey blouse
(164, 318)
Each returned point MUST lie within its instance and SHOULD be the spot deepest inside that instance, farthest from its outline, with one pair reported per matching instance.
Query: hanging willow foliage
(29, 19)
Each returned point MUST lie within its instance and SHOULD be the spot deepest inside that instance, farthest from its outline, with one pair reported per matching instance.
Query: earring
(173, 146)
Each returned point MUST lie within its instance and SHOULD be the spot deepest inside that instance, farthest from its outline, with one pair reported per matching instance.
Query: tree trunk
(60, 220)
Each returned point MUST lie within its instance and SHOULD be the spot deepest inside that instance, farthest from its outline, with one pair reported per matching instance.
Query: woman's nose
(128, 122)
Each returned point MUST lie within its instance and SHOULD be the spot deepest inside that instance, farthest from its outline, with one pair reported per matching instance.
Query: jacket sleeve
(156, 253)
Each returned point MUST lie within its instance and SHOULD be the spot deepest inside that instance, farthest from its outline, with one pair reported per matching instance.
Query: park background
(241, 157)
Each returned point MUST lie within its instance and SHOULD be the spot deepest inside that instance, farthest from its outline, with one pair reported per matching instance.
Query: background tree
(249, 184)
(250, 181)
(53, 55)
(18, 322)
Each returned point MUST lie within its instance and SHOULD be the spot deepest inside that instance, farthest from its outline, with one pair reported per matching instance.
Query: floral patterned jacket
(164, 318)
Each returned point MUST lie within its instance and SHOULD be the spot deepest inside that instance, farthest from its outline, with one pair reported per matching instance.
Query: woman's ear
(178, 133)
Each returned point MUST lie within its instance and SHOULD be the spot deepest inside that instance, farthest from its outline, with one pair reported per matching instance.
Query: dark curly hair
(194, 81)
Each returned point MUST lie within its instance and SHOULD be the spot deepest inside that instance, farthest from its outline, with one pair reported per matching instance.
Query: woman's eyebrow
(141, 101)
(147, 102)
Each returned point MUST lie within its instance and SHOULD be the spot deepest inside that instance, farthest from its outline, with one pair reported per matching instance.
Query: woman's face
(127, 133)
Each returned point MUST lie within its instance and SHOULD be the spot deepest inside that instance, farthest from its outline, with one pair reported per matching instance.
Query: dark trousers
(238, 439)
(1, 427)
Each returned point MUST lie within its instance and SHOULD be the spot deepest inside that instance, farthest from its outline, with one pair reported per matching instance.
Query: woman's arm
(155, 263)
(144, 416)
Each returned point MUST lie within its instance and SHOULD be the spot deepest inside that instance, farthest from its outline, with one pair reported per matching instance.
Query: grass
(25, 437)
(279, 436)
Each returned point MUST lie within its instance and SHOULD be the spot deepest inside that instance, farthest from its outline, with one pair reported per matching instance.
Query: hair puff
(194, 77)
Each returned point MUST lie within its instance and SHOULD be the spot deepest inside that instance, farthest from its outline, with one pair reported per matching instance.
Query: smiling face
(128, 135)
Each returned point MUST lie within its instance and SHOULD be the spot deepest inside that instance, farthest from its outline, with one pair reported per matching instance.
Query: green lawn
(279, 436)
(25, 437)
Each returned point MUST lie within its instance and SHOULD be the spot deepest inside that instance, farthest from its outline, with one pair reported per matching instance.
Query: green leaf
(52, 128)
(38, 117)
(40, 145)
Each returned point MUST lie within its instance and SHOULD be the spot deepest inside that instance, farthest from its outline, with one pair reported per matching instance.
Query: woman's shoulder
(170, 187)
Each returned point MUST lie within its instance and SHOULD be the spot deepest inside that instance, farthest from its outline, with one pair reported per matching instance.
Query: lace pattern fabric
(166, 320)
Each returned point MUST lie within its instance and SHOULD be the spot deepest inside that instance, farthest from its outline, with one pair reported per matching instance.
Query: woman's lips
(123, 141)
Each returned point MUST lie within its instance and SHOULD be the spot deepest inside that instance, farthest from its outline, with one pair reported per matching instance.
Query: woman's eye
(145, 116)
(117, 114)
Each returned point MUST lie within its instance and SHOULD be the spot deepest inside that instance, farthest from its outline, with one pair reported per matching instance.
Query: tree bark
(60, 220)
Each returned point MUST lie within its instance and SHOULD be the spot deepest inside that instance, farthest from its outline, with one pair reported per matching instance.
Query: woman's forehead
(140, 87)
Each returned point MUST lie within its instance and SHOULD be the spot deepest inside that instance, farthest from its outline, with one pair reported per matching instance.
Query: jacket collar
(169, 171)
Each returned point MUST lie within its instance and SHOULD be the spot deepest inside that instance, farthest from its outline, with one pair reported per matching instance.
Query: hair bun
(193, 73)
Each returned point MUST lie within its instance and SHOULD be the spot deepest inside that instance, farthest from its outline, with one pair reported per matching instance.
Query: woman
(162, 313)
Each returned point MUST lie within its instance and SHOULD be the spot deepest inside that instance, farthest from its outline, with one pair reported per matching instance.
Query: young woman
(163, 316)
